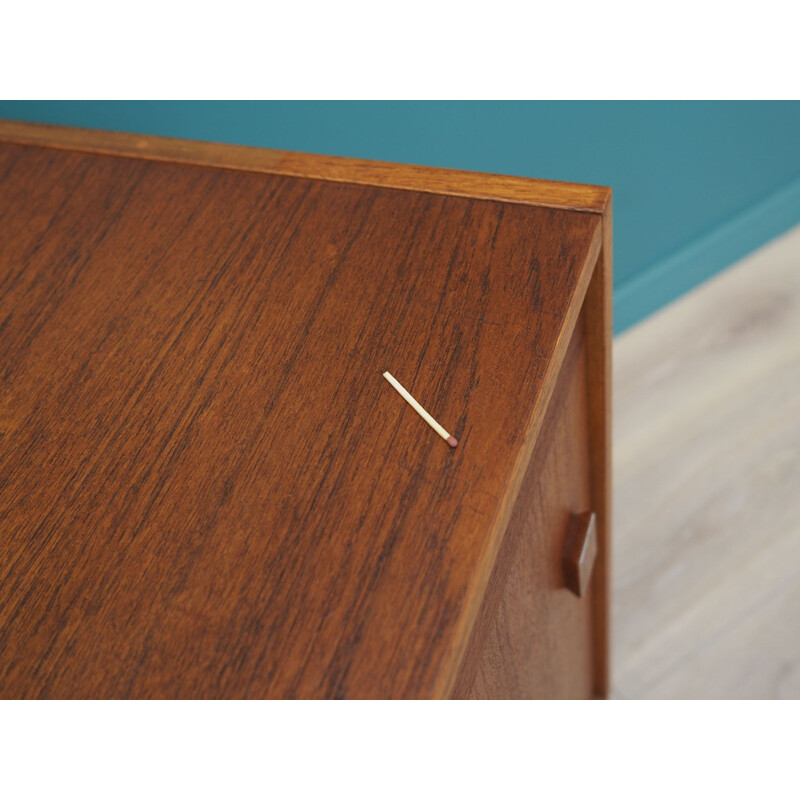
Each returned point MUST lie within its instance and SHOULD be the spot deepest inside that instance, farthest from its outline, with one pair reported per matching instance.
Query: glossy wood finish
(507, 188)
(534, 637)
(206, 487)
(599, 325)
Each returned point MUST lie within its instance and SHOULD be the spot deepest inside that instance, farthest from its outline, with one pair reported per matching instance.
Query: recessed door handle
(580, 552)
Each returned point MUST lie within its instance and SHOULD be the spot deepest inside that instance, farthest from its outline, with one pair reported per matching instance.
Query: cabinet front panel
(533, 638)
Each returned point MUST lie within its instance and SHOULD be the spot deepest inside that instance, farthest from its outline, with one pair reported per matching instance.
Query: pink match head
(452, 441)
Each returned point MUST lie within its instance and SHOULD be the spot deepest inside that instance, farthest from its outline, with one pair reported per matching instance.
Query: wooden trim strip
(599, 324)
(478, 185)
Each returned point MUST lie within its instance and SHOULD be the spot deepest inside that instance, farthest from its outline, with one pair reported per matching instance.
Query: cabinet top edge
(460, 183)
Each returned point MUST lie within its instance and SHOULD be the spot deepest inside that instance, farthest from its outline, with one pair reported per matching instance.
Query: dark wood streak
(206, 488)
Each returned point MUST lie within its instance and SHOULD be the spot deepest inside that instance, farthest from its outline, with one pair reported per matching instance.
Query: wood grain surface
(206, 487)
(534, 638)
(507, 188)
(599, 338)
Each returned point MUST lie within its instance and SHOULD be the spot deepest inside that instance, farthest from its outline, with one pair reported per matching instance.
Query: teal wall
(696, 184)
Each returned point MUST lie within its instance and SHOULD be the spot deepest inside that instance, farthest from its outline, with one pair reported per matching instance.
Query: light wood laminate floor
(706, 600)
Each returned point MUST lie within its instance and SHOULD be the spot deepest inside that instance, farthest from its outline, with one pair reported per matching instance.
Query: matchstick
(451, 440)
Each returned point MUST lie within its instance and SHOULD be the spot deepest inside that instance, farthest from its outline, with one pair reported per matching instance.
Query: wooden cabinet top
(207, 489)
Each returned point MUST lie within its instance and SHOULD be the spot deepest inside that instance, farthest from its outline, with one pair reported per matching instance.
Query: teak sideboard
(207, 488)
